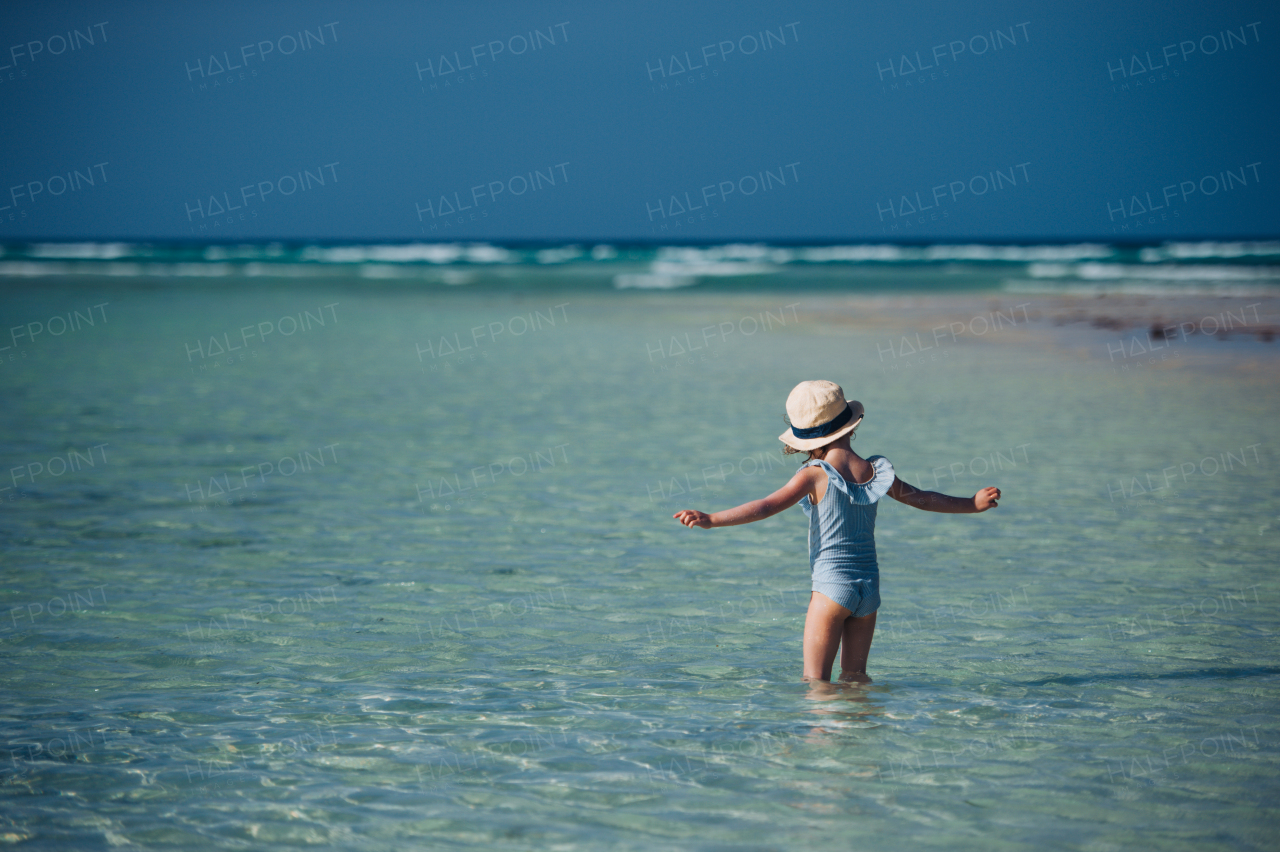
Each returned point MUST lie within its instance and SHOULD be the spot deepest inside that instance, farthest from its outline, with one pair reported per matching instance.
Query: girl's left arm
(932, 501)
(757, 510)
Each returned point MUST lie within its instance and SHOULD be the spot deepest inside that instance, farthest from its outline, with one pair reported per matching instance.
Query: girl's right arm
(932, 501)
(757, 510)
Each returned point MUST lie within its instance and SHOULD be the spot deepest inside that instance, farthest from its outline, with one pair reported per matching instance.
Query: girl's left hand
(986, 499)
(693, 518)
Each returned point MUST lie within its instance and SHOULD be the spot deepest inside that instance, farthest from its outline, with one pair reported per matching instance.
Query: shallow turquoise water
(350, 650)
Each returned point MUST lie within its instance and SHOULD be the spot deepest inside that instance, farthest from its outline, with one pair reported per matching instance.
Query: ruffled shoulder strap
(834, 480)
(867, 492)
(879, 485)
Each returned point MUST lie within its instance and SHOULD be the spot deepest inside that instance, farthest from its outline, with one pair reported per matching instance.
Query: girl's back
(851, 467)
(842, 520)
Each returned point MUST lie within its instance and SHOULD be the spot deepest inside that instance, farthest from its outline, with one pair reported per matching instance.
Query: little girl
(842, 547)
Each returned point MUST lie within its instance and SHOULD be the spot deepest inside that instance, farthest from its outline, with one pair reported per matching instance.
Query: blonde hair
(789, 450)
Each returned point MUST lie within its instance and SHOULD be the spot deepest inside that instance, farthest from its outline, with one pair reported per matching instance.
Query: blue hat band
(824, 428)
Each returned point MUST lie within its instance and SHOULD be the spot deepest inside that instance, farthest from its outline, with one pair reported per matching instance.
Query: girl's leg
(854, 647)
(823, 629)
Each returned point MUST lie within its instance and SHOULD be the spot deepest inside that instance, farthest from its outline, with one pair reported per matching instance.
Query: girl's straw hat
(819, 415)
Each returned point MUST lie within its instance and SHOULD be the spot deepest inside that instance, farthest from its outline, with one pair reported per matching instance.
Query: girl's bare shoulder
(851, 466)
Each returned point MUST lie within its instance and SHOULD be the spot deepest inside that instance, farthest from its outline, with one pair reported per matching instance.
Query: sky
(662, 121)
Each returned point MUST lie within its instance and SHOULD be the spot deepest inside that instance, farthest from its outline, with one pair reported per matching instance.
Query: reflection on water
(844, 706)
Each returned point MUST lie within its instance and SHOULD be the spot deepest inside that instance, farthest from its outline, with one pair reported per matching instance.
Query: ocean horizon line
(1240, 268)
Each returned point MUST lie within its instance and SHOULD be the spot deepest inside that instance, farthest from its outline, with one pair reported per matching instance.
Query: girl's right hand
(693, 518)
(986, 499)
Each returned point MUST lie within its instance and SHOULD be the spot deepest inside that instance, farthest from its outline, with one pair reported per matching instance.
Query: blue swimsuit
(842, 545)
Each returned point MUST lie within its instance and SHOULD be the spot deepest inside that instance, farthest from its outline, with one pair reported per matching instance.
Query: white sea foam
(1136, 288)
(1161, 272)
(934, 253)
(1187, 251)
(279, 270)
(559, 255)
(439, 253)
(1082, 251)
(649, 281)
(713, 270)
(852, 254)
(720, 254)
(484, 253)
(33, 269)
(709, 253)
(36, 269)
(81, 251)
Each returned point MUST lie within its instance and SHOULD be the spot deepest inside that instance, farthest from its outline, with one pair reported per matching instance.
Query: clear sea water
(374, 550)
